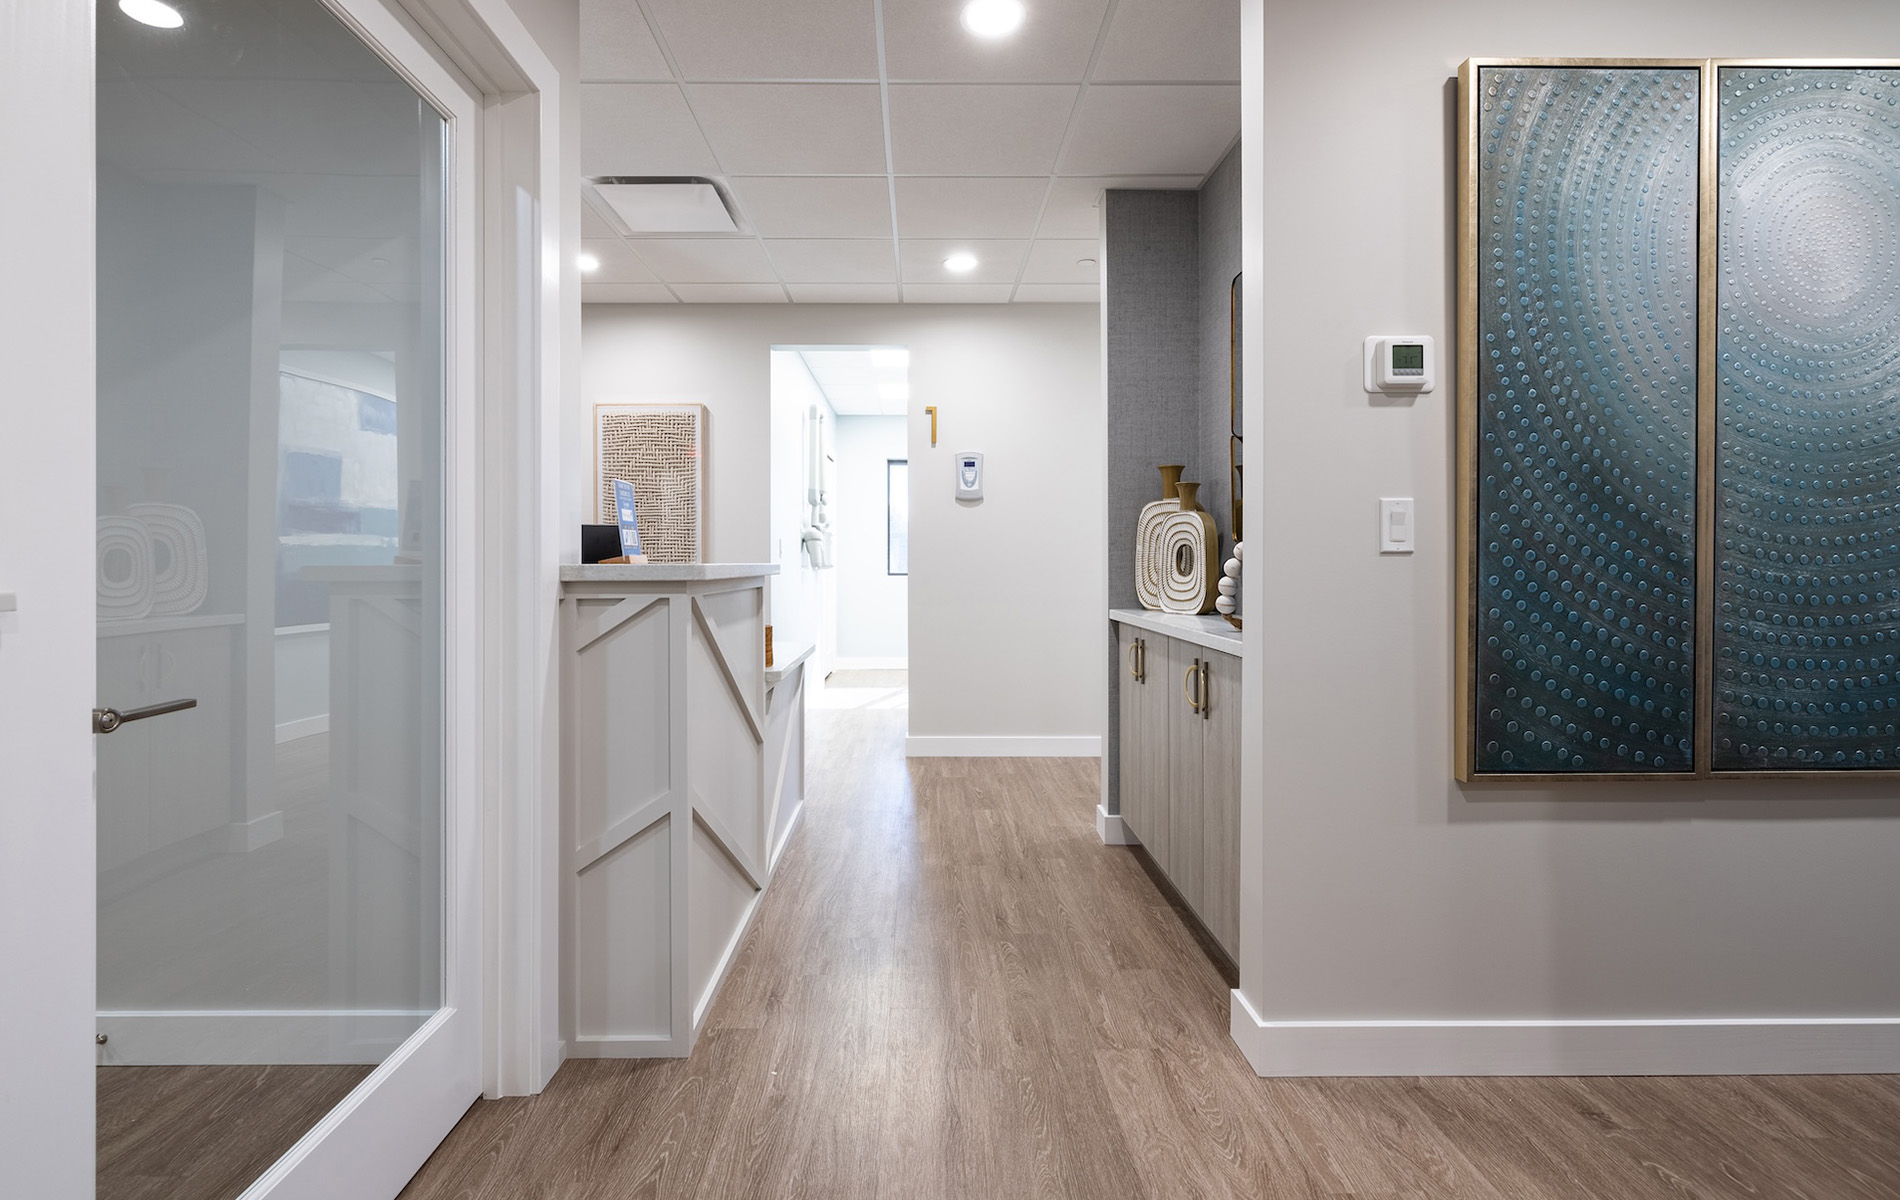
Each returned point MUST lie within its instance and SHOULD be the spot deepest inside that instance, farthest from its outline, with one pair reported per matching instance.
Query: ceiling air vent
(679, 205)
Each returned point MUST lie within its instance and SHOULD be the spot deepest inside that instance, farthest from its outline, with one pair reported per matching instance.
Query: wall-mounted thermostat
(1403, 364)
(969, 476)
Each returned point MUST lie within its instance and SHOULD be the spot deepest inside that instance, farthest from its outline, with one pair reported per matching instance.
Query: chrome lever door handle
(105, 720)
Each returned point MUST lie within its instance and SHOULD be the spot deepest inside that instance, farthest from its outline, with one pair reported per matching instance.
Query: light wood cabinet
(1179, 727)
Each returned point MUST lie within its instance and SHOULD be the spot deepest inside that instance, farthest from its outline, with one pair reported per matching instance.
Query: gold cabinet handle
(1134, 653)
(1192, 677)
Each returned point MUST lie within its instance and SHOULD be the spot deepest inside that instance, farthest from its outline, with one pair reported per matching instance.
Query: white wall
(47, 883)
(1384, 889)
(1005, 596)
(873, 605)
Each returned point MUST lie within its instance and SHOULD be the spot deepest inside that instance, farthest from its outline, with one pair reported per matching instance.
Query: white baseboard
(242, 837)
(1113, 829)
(870, 664)
(211, 1037)
(1703, 1046)
(290, 731)
(1003, 747)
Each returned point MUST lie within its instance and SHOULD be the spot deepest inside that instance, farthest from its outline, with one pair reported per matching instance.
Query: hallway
(955, 990)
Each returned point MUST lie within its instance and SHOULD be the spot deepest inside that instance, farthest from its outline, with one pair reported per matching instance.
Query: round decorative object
(181, 574)
(1188, 544)
(125, 569)
(1151, 569)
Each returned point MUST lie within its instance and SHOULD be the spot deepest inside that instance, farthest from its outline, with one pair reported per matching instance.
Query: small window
(897, 505)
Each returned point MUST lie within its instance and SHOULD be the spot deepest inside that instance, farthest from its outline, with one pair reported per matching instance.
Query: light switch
(1396, 532)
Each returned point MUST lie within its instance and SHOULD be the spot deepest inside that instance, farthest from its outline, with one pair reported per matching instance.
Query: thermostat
(1401, 363)
(969, 476)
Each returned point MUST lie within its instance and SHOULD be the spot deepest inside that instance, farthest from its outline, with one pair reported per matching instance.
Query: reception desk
(678, 755)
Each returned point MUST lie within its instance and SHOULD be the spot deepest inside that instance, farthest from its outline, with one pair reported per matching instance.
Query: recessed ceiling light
(993, 18)
(152, 12)
(588, 263)
(960, 263)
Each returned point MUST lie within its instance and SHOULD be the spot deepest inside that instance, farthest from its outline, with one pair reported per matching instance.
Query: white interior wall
(1004, 654)
(1386, 890)
(873, 604)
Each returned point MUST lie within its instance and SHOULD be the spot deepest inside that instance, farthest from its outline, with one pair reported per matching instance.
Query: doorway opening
(841, 519)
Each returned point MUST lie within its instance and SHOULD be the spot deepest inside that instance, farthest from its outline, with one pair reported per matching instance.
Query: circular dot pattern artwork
(1807, 529)
(1586, 453)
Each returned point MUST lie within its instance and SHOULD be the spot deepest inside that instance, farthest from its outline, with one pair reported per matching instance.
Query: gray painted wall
(1387, 890)
(1220, 262)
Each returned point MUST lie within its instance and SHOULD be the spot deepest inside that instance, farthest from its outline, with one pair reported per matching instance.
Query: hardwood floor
(204, 1133)
(955, 990)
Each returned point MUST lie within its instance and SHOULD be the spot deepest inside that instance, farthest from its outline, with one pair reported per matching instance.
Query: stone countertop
(1210, 632)
(662, 572)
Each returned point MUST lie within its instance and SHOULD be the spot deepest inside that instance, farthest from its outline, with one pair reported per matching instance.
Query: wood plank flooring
(955, 990)
(205, 1133)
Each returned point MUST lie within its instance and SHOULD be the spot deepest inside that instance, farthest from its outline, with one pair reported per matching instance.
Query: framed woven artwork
(660, 450)
(1678, 419)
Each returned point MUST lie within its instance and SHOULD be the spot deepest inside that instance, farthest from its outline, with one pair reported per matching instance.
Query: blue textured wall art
(1807, 536)
(1586, 208)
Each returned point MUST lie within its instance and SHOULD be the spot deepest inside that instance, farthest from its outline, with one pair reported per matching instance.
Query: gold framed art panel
(1467, 498)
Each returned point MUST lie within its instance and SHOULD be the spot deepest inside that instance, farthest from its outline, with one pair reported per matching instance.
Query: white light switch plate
(1397, 529)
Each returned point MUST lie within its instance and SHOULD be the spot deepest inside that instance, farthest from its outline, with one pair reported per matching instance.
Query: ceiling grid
(862, 142)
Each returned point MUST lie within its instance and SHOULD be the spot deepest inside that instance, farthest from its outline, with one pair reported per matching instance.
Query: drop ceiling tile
(730, 293)
(1058, 293)
(815, 206)
(996, 261)
(706, 260)
(833, 260)
(751, 39)
(1172, 40)
(618, 262)
(794, 128)
(1075, 209)
(1059, 260)
(956, 293)
(1153, 129)
(930, 206)
(844, 293)
(925, 39)
(640, 129)
(626, 293)
(616, 43)
(380, 263)
(593, 225)
(949, 129)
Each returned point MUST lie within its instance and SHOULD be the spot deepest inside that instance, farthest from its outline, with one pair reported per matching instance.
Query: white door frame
(509, 277)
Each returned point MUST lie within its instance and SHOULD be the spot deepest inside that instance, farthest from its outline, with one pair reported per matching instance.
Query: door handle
(1192, 679)
(105, 720)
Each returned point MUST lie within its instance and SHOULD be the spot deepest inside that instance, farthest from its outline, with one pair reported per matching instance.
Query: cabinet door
(1221, 790)
(1187, 769)
(1145, 758)
(1128, 704)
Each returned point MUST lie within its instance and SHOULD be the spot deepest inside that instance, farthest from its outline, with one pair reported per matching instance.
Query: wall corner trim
(1113, 830)
(1003, 747)
(1695, 1046)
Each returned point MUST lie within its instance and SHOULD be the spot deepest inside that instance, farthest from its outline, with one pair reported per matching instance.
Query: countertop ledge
(662, 572)
(1210, 632)
(777, 672)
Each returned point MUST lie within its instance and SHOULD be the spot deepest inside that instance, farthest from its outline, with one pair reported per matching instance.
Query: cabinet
(1179, 728)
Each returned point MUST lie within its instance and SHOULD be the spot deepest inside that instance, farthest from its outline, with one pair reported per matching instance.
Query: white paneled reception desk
(677, 795)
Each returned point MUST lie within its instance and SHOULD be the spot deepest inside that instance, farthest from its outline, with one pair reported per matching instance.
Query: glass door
(274, 367)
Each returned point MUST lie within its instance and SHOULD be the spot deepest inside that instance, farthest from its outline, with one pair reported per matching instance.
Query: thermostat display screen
(1408, 357)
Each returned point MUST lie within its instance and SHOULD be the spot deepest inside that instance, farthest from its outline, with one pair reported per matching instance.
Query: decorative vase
(1189, 539)
(1150, 569)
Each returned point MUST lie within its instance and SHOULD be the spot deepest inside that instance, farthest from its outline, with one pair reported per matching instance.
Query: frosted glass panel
(270, 480)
